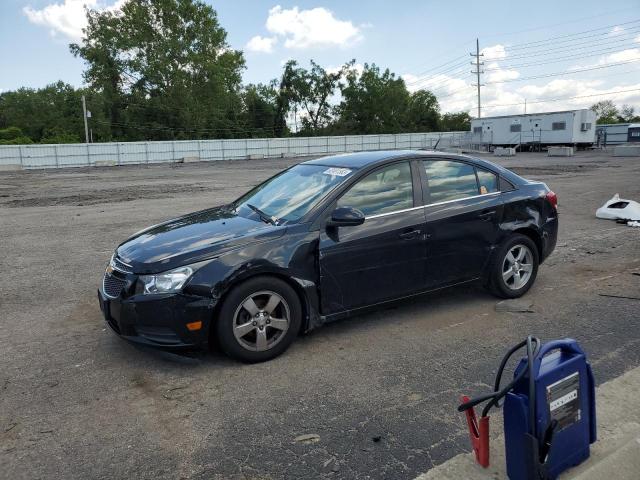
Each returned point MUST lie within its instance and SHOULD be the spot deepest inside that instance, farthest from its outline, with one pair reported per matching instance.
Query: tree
(627, 114)
(57, 106)
(13, 136)
(455, 122)
(164, 68)
(424, 112)
(312, 91)
(260, 109)
(372, 102)
(606, 111)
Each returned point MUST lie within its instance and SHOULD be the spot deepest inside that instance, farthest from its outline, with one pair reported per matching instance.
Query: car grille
(112, 286)
(120, 265)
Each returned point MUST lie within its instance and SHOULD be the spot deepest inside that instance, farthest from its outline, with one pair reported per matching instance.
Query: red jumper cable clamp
(478, 433)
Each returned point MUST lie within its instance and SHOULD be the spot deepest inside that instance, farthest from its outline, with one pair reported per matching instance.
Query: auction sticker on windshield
(337, 172)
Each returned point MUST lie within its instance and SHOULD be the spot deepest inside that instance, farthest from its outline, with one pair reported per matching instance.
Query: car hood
(192, 238)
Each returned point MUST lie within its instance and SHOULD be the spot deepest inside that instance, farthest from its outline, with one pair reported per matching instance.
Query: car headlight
(166, 282)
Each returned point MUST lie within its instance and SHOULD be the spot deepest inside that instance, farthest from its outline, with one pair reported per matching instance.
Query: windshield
(288, 196)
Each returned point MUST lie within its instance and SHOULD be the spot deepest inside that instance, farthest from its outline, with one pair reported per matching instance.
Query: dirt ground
(378, 392)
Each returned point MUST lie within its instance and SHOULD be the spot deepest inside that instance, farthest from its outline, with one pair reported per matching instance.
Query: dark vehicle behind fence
(325, 239)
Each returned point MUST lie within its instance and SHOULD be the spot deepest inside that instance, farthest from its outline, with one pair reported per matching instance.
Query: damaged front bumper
(160, 321)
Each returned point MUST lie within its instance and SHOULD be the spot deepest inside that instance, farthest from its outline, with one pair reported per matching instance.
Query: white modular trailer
(570, 127)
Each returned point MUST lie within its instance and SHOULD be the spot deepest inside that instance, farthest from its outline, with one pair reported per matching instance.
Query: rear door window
(450, 180)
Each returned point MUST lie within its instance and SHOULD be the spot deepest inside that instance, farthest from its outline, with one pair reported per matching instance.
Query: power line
(546, 50)
(549, 100)
(575, 20)
(559, 59)
(556, 74)
(518, 46)
(603, 47)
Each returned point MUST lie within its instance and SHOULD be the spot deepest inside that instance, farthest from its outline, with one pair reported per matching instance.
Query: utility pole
(477, 71)
(525, 106)
(84, 115)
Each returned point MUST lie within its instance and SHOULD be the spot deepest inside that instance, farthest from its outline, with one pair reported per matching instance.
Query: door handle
(487, 215)
(409, 235)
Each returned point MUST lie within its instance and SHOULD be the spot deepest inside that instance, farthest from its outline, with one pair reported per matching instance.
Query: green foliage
(13, 136)
(35, 111)
(259, 110)
(164, 70)
(455, 122)
(606, 111)
(372, 102)
(376, 101)
(59, 135)
(424, 112)
(10, 133)
(627, 114)
(311, 92)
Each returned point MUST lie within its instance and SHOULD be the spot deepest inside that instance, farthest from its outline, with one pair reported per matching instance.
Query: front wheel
(258, 320)
(514, 267)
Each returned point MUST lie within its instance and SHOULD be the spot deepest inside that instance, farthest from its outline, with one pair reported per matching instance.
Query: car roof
(364, 159)
(359, 160)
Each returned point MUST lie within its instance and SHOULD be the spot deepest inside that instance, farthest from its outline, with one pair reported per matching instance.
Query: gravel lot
(379, 391)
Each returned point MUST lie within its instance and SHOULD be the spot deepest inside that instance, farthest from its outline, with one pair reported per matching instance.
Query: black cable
(497, 394)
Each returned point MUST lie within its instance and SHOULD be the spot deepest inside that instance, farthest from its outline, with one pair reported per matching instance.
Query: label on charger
(563, 400)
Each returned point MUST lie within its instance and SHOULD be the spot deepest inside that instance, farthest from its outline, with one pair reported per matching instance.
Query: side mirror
(346, 217)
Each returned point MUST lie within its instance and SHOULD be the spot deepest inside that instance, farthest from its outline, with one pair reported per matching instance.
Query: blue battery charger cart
(549, 411)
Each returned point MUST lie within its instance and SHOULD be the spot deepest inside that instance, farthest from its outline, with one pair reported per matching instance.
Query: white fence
(130, 153)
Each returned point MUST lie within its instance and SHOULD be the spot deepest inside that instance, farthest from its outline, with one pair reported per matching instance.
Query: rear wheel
(514, 267)
(259, 319)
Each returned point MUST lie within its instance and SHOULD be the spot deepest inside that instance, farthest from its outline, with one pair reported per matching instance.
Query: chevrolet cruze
(325, 239)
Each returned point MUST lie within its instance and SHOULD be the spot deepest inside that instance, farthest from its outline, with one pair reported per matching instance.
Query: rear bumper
(159, 321)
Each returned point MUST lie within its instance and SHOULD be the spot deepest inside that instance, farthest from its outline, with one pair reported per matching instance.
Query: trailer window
(477, 129)
(516, 127)
(559, 126)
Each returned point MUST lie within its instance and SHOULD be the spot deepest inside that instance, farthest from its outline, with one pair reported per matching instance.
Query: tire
(514, 267)
(258, 319)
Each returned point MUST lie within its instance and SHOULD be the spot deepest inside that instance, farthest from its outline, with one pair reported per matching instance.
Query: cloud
(261, 44)
(68, 18)
(494, 73)
(631, 54)
(316, 27)
(617, 30)
(496, 52)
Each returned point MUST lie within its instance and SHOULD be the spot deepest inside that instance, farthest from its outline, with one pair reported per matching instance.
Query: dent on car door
(384, 257)
(463, 215)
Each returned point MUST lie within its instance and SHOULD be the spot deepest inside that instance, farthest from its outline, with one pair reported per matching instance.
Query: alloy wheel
(261, 321)
(517, 267)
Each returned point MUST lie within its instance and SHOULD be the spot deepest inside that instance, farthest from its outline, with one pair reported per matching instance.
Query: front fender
(291, 258)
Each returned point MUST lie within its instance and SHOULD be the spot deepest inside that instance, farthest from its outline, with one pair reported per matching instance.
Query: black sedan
(325, 239)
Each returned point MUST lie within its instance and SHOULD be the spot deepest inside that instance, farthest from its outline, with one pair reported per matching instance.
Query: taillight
(553, 199)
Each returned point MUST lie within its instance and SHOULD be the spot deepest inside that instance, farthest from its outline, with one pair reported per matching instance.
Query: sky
(554, 55)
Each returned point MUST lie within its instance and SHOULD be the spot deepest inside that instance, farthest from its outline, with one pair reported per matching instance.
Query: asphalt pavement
(369, 397)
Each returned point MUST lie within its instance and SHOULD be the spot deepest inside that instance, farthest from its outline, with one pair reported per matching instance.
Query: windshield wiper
(263, 215)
